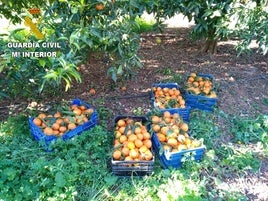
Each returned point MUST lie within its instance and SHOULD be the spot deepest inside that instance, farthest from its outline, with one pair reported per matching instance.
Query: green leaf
(42, 62)
(60, 179)
(111, 180)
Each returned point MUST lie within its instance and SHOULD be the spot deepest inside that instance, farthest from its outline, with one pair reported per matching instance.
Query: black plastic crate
(133, 168)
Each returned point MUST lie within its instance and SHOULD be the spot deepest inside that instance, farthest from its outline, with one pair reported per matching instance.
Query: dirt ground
(241, 82)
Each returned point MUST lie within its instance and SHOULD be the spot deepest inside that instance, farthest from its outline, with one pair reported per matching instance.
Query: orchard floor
(241, 84)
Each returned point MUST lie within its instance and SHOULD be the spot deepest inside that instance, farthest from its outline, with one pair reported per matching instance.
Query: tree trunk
(210, 46)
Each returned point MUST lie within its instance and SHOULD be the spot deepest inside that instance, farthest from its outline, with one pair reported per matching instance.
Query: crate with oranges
(168, 96)
(200, 92)
(171, 139)
(132, 150)
(72, 120)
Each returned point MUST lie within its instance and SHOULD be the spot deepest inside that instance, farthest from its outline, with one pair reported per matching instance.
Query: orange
(171, 92)
(186, 135)
(37, 121)
(201, 83)
(117, 155)
(207, 83)
(48, 131)
(116, 143)
(184, 127)
(129, 121)
(167, 147)
(155, 119)
(129, 132)
(147, 143)
(190, 79)
(137, 130)
(57, 115)
(177, 93)
(143, 149)
(62, 129)
(196, 84)
(138, 143)
(122, 138)
(125, 151)
(146, 136)
(55, 126)
(122, 129)
(166, 114)
(71, 126)
(128, 158)
(213, 95)
(121, 123)
(156, 128)
(42, 115)
(85, 119)
(74, 106)
(148, 155)
(167, 120)
(164, 130)
(172, 142)
(133, 153)
(175, 116)
(59, 121)
(82, 107)
(66, 120)
(161, 137)
(77, 111)
(193, 75)
(123, 88)
(88, 111)
(206, 91)
(132, 137)
(188, 142)
(200, 79)
(99, 7)
(92, 91)
(131, 145)
(140, 136)
(165, 89)
(117, 134)
(182, 102)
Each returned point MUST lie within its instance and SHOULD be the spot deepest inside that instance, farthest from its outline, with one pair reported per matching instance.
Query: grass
(144, 24)
(79, 169)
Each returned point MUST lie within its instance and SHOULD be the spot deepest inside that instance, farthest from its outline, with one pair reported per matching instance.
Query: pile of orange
(168, 98)
(132, 141)
(58, 124)
(172, 132)
(199, 85)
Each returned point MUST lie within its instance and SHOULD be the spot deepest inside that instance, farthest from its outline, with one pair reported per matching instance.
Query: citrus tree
(251, 24)
(79, 27)
(218, 19)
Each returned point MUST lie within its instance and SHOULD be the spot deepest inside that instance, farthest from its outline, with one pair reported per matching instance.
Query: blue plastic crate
(40, 136)
(199, 101)
(183, 112)
(176, 159)
(133, 168)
